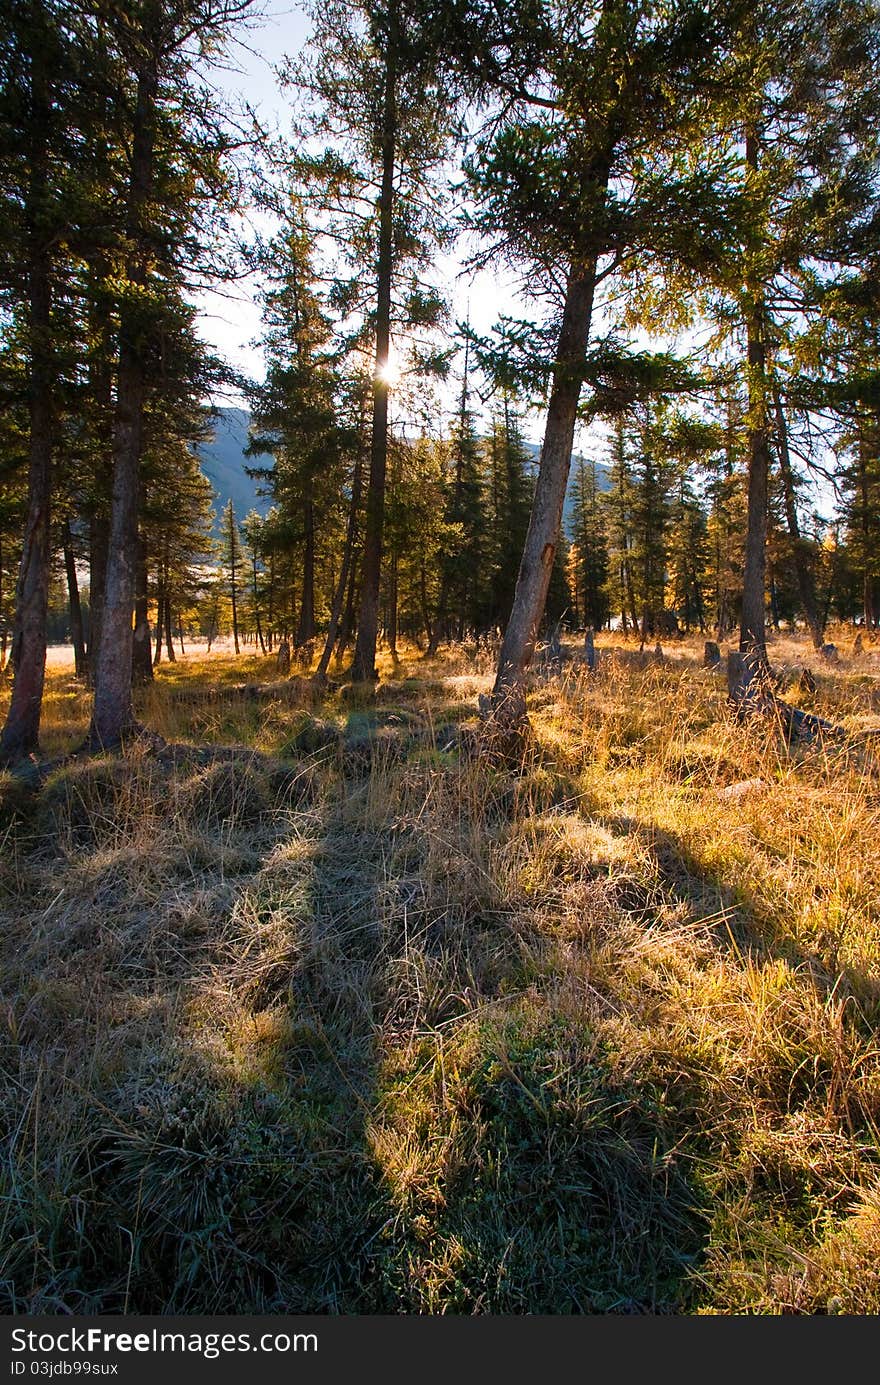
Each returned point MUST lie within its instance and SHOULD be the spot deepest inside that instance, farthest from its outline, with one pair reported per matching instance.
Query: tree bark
(364, 664)
(752, 637)
(508, 697)
(99, 539)
(169, 632)
(305, 629)
(257, 606)
(160, 618)
(345, 569)
(113, 715)
(20, 735)
(76, 621)
(141, 660)
(806, 584)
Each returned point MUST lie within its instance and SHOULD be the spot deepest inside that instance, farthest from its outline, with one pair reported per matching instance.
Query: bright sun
(388, 373)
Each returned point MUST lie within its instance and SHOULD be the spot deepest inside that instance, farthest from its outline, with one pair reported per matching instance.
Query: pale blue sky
(230, 322)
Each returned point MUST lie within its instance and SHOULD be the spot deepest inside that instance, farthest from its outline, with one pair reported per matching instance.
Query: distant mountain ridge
(223, 462)
(603, 481)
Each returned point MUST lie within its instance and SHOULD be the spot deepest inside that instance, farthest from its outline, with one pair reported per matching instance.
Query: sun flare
(389, 373)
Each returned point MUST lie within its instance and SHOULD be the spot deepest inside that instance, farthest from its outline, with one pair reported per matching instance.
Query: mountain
(603, 481)
(223, 461)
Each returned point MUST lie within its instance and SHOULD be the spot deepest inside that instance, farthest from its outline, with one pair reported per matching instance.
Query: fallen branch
(750, 694)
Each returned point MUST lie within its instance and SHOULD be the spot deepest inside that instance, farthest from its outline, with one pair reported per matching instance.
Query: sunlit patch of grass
(347, 1022)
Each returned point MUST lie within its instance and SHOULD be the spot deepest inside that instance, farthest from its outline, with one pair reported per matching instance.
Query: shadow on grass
(741, 924)
(333, 1097)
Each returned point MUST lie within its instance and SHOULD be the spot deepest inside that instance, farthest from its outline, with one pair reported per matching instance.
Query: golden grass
(371, 1025)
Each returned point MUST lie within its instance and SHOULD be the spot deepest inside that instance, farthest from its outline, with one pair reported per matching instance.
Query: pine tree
(373, 76)
(802, 117)
(232, 560)
(160, 46)
(461, 604)
(511, 488)
(590, 557)
(294, 413)
(38, 163)
(606, 108)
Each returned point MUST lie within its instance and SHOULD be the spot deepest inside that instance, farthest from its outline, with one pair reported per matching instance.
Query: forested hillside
(222, 459)
(437, 793)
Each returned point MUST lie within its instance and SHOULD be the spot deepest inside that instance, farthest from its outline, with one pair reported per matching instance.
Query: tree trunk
(232, 592)
(346, 626)
(20, 735)
(305, 630)
(752, 636)
(76, 621)
(364, 664)
(160, 619)
(2, 614)
(141, 654)
(257, 606)
(806, 584)
(508, 697)
(392, 607)
(871, 613)
(99, 539)
(270, 605)
(113, 714)
(100, 392)
(345, 569)
(169, 633)
(430, 629)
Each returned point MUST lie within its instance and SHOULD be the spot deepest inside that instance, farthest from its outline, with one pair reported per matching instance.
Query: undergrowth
(354, 1020)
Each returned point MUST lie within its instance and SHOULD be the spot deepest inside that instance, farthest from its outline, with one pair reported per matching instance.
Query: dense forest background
(698, 299)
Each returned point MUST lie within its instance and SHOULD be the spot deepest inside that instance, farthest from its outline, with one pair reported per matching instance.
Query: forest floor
(356, 1020)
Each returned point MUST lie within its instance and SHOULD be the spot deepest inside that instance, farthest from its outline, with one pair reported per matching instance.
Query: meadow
(324, 1007)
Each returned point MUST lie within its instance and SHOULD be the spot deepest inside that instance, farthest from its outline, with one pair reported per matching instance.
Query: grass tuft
(342, 1015)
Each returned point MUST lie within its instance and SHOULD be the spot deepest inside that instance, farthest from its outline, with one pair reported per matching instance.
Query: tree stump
(590, 649)
(551, 656)
(711, 654)
(305, 653)
(746, 689)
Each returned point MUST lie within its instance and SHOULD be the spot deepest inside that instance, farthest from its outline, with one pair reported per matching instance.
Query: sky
(230, 322)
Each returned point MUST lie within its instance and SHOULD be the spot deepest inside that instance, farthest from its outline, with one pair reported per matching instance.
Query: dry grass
(363, 1024)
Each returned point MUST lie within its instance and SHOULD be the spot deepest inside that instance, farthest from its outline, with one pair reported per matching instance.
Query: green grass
(357, 1024)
